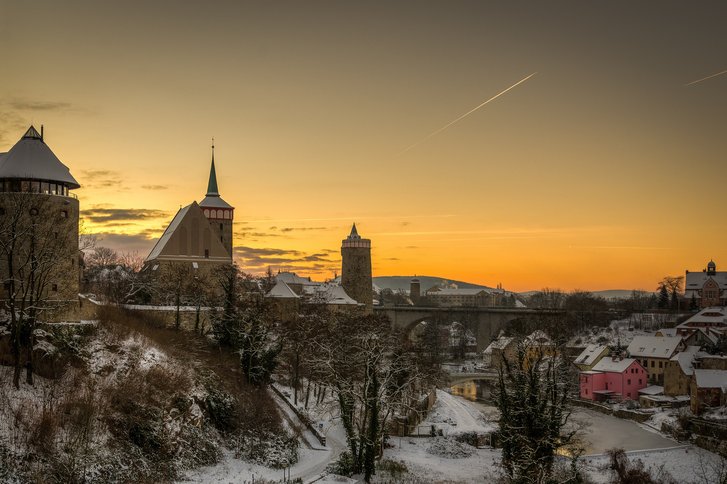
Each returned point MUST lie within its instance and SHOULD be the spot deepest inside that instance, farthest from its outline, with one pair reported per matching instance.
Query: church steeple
(219, 213)
(212, 190)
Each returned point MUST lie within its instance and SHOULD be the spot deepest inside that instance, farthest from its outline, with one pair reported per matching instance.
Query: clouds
(102, 179)
(141, 243)
(28, 105)
(111, 215)
(254, 259)
(16, 115)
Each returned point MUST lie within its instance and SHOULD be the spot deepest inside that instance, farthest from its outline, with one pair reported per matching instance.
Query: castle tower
(415, 290)
(38, 212)
(219, 213)
(356, 268)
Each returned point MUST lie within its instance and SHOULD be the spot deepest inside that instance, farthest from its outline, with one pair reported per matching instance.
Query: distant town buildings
(706, 288)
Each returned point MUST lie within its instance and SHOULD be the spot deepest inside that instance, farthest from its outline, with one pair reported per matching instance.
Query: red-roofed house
(613, 378)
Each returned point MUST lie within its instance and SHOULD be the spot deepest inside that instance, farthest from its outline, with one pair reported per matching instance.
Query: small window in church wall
(214, 213)
(207, 213)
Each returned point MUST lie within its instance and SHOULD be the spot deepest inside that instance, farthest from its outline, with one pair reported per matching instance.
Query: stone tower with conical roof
(356, 268)
(39, 222)
(219, 213)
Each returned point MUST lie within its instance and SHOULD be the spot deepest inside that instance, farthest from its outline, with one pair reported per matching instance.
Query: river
(597, 432)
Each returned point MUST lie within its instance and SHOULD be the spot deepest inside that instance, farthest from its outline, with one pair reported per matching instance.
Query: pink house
(613, 378)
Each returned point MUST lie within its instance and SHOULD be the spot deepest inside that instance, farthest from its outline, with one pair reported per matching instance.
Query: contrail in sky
(705, 78)
(467, 113)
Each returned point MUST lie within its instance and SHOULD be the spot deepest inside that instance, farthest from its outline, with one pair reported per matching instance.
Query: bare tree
(38, 247)
(373, 379)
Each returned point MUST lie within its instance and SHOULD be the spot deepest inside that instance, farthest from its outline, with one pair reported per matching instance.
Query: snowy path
(312, 462)
(454, 414)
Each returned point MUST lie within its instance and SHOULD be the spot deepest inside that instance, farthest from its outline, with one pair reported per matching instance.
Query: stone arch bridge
(484, 323)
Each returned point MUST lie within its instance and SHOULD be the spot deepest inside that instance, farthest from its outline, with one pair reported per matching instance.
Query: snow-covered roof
(499, 344)
(588, 356)
(538, 337)
(711, 379)
(332, 294)
(31, 159)
(282, 290)
(293, 278)
(652, 390)
(686, 359)
(613, 364)
(696, 280)
(713, 316)
(668, 332)
(653, 346)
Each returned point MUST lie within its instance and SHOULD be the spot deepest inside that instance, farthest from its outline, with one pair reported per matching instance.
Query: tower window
(54, 288)
(64, 213)
(206, 253)
(221, 227)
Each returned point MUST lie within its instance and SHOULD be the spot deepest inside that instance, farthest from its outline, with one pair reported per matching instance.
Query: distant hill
(606, 293)
(396, 283)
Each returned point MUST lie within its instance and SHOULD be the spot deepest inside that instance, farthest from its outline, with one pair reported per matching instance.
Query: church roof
(184, 239)
(31, 159)
(214, 202)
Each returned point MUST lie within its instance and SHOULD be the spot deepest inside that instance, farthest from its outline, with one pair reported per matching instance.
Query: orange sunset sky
(604, 170)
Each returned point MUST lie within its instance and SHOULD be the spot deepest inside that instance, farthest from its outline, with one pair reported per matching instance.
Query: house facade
(613, 378)
(654, 352)
(706, 288)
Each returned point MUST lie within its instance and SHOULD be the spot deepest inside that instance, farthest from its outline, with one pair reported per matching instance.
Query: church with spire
(199, 235)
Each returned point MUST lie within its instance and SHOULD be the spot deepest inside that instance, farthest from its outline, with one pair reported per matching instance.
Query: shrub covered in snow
(450, 448)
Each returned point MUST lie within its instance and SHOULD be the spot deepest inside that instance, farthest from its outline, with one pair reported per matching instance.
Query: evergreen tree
(532, 397)
(663, 297)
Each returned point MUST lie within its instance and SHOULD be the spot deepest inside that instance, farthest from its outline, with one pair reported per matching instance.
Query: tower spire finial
(212, 190)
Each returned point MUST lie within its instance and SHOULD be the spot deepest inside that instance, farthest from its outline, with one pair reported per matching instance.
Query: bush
(344, 466)
(395, 469)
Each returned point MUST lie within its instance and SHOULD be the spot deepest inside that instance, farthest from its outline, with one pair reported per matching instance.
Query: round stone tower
(356, 268)
(40, 215)
(219, 213)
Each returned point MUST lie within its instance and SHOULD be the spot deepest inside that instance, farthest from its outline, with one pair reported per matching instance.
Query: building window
(64, 213)
(640, 381)
(54, 288)
(628, 382)
(661, 364)
(221, 227)
(652, 363)
(206, 253)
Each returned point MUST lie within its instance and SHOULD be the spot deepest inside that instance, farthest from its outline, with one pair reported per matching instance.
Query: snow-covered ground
(456, 415)
(313, 459)
(687, 464)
